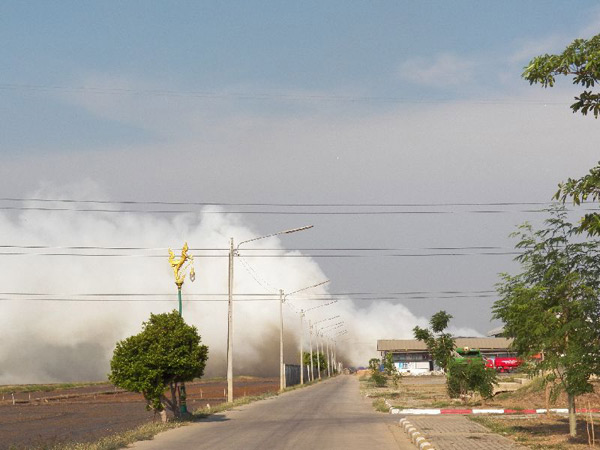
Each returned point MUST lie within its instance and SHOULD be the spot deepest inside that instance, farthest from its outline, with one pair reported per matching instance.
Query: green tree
(376, 376)
(581, 190)
(390, 369)
(165, 353)
(468, 376)
(552, 305)
(317, 356)
(581, 60)
(439, 343)
(374, 364)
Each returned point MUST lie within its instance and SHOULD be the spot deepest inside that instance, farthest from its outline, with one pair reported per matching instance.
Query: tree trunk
(572, 417)
(163, 416)
(547, 399)
(174, 402)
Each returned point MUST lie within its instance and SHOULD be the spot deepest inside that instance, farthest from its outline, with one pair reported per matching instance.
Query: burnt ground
(88, 413)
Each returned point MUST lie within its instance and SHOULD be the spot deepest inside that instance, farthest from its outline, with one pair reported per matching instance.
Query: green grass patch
(493, 425)
(379, 405)
(385, 394)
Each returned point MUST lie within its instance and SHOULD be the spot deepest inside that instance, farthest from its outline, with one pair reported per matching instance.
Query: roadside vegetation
(551, 308)
(466, 374)
(165, 354)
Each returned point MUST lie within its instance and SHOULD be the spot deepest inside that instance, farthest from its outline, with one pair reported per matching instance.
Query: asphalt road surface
(329, 415)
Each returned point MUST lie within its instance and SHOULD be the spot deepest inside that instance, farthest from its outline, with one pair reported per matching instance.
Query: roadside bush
(379, 379)
(380, 405)
(165, 353)
(390, 369)
(467, 377)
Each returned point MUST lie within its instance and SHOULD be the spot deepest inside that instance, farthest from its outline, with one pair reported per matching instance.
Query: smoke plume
(62, 340)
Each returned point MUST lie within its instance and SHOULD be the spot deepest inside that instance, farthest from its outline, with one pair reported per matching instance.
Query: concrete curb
(415, 436)
(435, 412)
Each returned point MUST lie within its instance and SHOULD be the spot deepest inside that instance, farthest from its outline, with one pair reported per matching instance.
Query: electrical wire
(373, 205)
(337, 294)
(279, 213)
(263, 96)
(164, 249)
(130, 299)
(315, 255)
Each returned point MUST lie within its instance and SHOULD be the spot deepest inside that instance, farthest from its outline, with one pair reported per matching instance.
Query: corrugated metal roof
(412, 345)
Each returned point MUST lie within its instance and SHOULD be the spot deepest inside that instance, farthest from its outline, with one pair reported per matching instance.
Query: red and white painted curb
(435, 412)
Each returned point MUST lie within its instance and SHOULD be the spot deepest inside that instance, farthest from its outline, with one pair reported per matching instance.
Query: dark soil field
(84, 414)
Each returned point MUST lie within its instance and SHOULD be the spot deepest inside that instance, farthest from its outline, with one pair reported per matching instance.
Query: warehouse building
(411, 356)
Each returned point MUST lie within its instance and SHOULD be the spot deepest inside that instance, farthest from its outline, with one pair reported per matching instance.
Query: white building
(411, 356)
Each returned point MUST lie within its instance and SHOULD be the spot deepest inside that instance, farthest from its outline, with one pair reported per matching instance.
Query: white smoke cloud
(43, 341)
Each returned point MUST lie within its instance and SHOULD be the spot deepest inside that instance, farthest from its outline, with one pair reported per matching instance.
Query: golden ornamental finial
(179, 265)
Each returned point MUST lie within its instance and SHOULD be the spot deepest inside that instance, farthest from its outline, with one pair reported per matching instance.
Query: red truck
(505, 364)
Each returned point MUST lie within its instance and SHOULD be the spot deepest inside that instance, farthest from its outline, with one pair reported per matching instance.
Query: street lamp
(317, 333)
(233, 251)
(310, 327)
(282, 299)
(331, 328)
(180, 266)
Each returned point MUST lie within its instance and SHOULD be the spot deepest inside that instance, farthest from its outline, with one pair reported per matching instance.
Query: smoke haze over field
(46, 341)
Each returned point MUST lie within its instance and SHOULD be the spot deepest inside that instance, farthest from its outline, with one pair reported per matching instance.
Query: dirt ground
(84, 414)
(543, 432)
(430, 391)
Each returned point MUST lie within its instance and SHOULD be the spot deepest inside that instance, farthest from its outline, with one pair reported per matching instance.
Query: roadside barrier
(415, 437)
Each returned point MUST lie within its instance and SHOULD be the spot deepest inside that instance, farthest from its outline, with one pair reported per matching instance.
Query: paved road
(330, 415)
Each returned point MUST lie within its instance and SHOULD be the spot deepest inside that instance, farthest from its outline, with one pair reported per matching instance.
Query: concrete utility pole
(281, 364)
(282, 298)
(312, 370)
(301, 347)
(318, 356)
(310, 328)
(317, 333)
(234, 251)
(328, 360)
(335, 353)
(230, 326)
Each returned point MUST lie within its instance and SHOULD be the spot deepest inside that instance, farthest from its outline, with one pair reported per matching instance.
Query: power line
(264, 96)
(316, 255)
(276, 213)
(127, 300)
(164, 249)
(274, 295)
(374, 205)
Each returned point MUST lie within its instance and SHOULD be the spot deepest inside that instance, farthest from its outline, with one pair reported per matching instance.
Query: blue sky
(300, 102)
(285, 45)
(411, 50)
